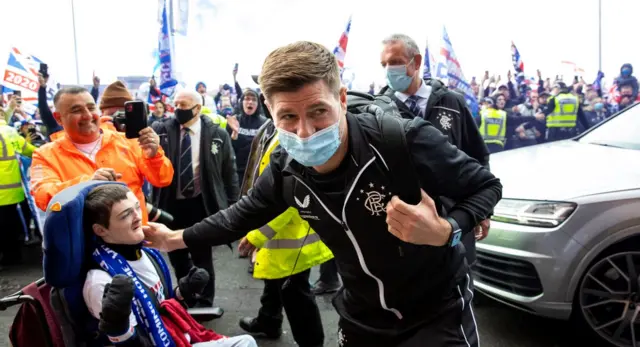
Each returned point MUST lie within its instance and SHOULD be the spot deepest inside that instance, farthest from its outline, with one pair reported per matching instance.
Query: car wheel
(608, 299)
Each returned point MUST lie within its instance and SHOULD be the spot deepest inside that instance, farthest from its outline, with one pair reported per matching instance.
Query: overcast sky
(118, 37)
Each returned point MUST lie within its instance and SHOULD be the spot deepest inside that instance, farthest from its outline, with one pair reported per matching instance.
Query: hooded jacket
(628, 80)
(249, 125)
(390, 286)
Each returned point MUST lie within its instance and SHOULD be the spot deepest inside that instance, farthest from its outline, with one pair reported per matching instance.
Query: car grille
(512, 275)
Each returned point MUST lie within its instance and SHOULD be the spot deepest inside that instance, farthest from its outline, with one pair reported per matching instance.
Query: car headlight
(546, 214)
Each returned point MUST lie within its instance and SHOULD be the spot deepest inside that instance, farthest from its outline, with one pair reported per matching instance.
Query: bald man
(205, 179)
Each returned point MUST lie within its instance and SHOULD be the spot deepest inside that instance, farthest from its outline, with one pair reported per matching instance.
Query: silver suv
(565, 238)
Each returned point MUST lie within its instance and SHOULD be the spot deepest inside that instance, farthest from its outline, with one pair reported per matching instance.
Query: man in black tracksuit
(406, 282)
(431, 100)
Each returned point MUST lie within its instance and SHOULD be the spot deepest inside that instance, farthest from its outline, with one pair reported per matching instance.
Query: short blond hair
(291, 67)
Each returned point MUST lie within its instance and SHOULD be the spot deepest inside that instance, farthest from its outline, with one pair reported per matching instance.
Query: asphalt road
(238, 293)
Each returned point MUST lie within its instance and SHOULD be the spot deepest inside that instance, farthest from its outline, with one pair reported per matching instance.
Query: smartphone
(235, 67)
(44, 70)
(135, 118)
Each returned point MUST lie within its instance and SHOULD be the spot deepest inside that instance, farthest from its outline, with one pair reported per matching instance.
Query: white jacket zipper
(354, 242)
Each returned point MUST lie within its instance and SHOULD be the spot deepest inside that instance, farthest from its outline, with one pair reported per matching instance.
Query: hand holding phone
(135, 118)
(44, 70)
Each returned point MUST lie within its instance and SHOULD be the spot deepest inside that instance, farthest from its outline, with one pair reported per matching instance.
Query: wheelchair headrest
(64, 241)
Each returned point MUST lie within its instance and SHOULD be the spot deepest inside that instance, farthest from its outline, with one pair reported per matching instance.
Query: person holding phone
(89, 151)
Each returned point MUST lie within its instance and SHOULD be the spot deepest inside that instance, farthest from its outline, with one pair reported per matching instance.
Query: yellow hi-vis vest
(216, 118)
(565, 114)
(282, 239)
(493, 126)
(11, 142)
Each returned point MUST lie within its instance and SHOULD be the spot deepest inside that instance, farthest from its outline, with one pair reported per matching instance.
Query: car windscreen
(622, 131)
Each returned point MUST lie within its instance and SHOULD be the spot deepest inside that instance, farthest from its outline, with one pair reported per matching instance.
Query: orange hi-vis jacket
(59, 164)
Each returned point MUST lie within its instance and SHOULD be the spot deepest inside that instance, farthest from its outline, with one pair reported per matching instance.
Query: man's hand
(482, 230)
(417, 224)
(116, 306)
(192, 285)
(245, 247)
(162, 238)
(149, 142)
(42, 80)
(540, 116)
(106, 174)
(233, 123)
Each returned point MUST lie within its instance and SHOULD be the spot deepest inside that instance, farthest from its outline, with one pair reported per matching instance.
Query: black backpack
(395, 151)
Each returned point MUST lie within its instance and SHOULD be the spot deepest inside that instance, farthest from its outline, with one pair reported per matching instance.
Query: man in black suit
(205, 179)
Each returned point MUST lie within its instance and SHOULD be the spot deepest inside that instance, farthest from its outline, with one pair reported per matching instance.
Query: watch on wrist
(456, 232)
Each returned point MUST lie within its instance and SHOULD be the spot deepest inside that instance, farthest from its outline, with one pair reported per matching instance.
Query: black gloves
(192, 285)
(116, 306)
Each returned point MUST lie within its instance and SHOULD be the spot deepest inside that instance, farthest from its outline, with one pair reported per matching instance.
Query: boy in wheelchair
(125, 291)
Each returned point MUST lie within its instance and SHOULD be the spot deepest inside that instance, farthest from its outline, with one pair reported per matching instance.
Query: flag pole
(75, 41)
(599, 35)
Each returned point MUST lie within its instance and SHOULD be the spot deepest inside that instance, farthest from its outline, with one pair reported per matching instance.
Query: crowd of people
(289, 170)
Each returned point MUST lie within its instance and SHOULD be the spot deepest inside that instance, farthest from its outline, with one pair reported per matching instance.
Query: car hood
(564, 170)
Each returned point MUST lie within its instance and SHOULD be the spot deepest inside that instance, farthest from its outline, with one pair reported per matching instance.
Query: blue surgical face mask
(598, 106)
(314, 150)
(397, 78)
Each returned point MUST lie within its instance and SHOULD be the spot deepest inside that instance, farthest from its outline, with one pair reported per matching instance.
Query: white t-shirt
(90, 149)
(96, 280)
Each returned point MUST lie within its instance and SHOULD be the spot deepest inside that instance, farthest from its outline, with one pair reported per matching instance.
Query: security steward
(204, 182)
(562, 114)
(404, 273)
(287, 250)
(493, 126)
(11, 193)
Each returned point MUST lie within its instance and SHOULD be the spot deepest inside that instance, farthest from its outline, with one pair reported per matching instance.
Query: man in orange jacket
(111, 103)
(88, 151)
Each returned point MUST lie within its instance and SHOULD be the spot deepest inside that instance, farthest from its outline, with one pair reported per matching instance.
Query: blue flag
(454, 74)
(166, 50)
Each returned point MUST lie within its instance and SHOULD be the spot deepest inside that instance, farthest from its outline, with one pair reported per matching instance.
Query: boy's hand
(192, 285)
(116, 306)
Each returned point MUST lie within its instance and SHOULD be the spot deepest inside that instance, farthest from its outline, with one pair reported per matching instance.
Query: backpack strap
(395, 151)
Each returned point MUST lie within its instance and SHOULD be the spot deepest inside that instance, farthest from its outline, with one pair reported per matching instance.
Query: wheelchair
(53, 312)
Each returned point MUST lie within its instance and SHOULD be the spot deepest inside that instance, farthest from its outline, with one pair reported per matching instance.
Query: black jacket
(389, 286)
(449, 113)
(249, 125)
(218, 177)
(258, 148)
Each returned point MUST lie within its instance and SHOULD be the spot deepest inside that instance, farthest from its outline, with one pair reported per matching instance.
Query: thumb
(426, 199)
(154, 226)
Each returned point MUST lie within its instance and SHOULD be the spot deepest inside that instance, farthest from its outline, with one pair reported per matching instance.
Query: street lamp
(75, 41)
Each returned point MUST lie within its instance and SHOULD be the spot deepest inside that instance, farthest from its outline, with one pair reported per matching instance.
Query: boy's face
(125, 223)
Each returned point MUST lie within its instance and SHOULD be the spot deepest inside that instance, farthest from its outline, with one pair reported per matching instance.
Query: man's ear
(99, 230)
(343, 98)
(58, 117)
(417, 63)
